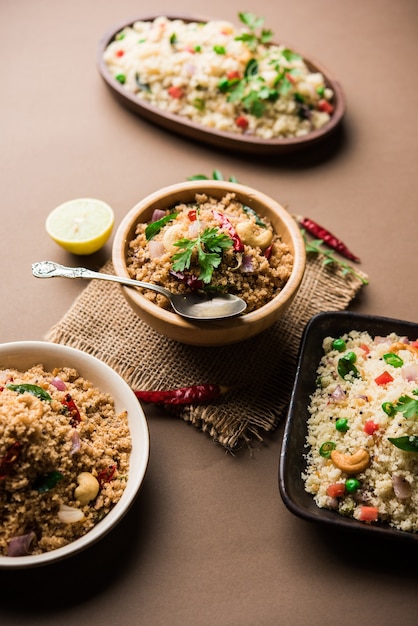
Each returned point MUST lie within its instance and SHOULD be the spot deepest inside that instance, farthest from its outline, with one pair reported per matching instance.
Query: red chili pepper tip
(192, 394)
(327, 237)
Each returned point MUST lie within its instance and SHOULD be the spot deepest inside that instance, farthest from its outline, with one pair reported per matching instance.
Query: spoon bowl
(193, 306)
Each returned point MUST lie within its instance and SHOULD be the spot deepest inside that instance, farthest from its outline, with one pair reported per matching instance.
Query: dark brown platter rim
(219, 139)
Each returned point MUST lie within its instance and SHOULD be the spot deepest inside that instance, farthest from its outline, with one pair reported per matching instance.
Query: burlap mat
(260, 371)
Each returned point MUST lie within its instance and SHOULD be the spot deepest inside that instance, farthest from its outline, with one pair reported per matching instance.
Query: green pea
(326, 449)
(393, 359)
(389, 409)
(352, 484)
(342, 425)
(339, 345)
(351, 356)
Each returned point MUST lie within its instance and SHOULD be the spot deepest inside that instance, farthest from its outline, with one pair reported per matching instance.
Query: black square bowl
(292, 459)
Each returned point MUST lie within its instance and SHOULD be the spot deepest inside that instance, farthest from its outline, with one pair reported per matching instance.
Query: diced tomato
(369, 514)
(365, 348)
(384, 378)
(175, 92)
(370, 427)
(192, 215)
(325, 106)
(120, 53)
(233, 74)
(242, 122)
(189, 49)
(336, 490)
(414, 344)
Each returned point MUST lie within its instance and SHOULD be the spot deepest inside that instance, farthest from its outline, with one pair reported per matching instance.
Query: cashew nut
(88, 488)
(253, 235)
(351, 463)
(171, 235)
(395, 347)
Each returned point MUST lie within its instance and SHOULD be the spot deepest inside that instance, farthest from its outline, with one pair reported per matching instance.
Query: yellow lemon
(81, 226)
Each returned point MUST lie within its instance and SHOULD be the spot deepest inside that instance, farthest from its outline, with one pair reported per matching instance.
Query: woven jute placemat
(259, 372)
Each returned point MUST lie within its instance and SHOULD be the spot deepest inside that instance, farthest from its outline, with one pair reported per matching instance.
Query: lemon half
(81, 226)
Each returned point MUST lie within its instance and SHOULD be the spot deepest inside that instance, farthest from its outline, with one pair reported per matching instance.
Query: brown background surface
(209, 540)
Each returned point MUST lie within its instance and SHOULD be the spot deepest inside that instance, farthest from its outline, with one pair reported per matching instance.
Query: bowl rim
(120, 242)
(219, 138)
(98, 371)
(291, 490)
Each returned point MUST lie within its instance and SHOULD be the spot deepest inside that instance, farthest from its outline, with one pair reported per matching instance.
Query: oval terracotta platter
(240, 142)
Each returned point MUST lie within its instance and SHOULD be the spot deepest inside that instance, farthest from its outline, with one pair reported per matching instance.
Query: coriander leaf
(408, 406)
(209, 246)
(251, 20)
(289, 55)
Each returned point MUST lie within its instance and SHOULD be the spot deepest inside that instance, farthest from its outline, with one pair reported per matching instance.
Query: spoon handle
(50, 269)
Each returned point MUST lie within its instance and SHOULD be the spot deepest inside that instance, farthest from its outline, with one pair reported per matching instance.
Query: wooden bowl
(222, 332)
(220, 139)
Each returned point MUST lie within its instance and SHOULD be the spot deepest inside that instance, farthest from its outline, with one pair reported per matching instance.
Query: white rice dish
(362, 439)
(197, 70)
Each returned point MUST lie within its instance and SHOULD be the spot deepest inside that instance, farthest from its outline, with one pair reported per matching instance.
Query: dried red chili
(106, 475)
(237, 244)
(193, 394)
(327, 237)
(70, 405)
(11, 456)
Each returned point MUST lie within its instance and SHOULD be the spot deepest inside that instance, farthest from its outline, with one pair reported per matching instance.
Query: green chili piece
(339, 345)
(393, 359)
(389, 409)
(35, 390)
(121, 78)
(326, 449)
(342, 425)
(406, 443)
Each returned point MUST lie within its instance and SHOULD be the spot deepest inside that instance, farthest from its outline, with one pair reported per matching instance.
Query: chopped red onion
(401, 487)
(19, 546)
(247, 263)
(338, 394)
(58, 383)
(157, 215)
(410, 372)
(75, 442)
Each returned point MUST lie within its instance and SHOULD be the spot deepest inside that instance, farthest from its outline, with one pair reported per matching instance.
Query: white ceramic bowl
(24, 354)
(222, 332)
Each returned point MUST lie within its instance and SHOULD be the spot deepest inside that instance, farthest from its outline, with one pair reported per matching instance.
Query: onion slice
(70, 514)
(20, 546)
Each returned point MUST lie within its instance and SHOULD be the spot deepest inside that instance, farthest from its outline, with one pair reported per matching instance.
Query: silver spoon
(194, 306)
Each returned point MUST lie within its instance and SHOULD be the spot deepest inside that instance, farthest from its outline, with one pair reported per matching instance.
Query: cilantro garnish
(208, 245)
(252, 39)
(251, 90)
(408, 406)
